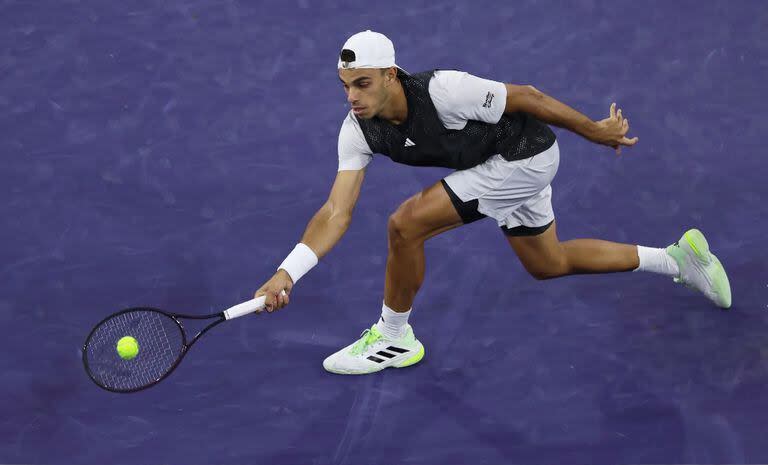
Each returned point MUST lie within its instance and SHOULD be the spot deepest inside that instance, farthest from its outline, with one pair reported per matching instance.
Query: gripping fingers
(276, 301)
(282, 300)
(271, 303)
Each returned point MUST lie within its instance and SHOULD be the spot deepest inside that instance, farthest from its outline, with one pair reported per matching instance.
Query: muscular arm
(331, 221)
(610, 131)
(530, 100)
(323, 232)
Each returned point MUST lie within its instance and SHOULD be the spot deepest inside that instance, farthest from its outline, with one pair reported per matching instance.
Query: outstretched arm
(331, 221)
(324, 230)
(611, 131)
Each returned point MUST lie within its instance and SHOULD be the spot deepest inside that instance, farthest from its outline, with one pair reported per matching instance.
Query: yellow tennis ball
(127, 347)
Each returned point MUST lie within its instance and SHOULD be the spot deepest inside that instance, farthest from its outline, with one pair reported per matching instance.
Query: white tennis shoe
(700, 269)
(373, 352)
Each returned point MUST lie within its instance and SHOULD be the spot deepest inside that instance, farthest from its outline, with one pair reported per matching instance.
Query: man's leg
(422, 216)
(545, 257)
(391, 342)
(688, 261)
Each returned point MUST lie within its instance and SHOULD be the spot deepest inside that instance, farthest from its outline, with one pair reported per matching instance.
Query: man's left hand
(612, 131)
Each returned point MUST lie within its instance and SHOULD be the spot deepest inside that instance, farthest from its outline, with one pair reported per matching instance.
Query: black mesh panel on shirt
(422, 140)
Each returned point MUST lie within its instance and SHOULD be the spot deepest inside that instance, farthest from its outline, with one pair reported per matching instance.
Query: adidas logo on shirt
(409, 142)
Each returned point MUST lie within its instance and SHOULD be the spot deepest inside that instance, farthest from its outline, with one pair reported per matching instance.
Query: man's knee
(401, 227)
(542, 274)
(553, 267)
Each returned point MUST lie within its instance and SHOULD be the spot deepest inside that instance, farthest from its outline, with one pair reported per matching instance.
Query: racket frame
(185, 346)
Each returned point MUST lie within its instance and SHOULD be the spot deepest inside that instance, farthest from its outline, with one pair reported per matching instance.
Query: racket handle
(250, 306)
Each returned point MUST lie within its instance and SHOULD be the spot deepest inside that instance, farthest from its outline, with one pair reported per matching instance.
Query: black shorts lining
(466, 210)
(526, 230)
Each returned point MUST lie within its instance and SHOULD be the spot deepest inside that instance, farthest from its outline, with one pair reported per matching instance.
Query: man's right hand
(280, 281)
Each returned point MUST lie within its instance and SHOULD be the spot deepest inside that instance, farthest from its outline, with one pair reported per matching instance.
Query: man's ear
(390, 75)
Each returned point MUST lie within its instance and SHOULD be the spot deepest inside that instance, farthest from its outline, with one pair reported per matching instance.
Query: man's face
(366, 89)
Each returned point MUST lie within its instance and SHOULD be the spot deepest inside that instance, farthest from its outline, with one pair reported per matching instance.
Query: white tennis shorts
(517, 194)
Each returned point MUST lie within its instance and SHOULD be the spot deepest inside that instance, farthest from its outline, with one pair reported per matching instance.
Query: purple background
(170, 153)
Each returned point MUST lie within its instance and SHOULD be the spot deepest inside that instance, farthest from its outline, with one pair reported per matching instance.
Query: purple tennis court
(171, 153)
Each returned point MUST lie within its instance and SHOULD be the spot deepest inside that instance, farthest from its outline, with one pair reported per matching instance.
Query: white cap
(367, 49)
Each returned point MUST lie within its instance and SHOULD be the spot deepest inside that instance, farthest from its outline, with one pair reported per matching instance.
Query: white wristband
(299, 261)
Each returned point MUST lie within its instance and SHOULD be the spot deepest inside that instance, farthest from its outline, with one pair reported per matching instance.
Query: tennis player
(495, 136)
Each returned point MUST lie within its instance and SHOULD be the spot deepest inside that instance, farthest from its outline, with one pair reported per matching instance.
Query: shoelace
(367, 337)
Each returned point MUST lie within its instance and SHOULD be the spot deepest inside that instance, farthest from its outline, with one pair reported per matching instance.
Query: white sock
(657, 261)
(392, 323)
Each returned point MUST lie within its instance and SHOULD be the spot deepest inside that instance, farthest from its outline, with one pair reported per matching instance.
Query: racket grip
(250, 306)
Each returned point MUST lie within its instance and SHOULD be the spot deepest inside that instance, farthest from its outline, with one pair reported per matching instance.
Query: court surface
(170, 153)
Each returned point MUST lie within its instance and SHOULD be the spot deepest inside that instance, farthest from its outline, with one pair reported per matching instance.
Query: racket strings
(160, 340)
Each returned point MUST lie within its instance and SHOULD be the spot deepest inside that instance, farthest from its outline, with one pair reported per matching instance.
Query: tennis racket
(162, 343)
